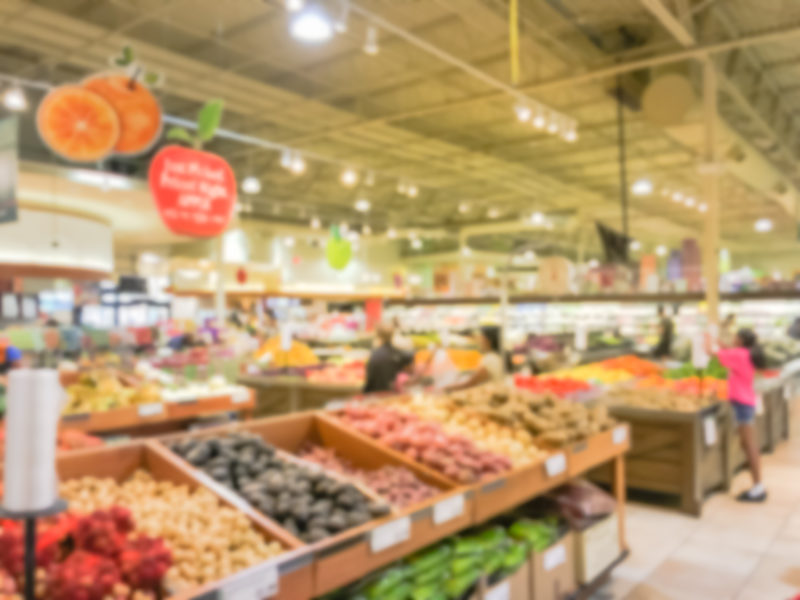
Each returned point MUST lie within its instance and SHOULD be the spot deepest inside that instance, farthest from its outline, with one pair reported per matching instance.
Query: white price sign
(390, 534)
(448, 509)
(257, 583)
(151, 409)
(710, 430)
(335, 405)
(556, 464)
(502, 591)
(554, 557)
(619, 435)
(240, 395)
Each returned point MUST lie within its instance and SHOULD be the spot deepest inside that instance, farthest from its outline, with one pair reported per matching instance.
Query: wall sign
(194, 191)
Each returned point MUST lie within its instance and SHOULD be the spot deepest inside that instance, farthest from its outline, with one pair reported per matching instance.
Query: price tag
(334, 405)
(150, 410)
(502, 591)
(759, 404)
(229, 495)
(257, 583)
(619, 435)
(448, 509)
(710, 430)
(556, 464)
(554, 557)
(391, 534)
(240, 395)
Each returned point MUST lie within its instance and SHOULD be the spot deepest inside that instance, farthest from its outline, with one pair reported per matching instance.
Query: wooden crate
(279, 395)
(348, 556)
(120, 462)
(671, 453)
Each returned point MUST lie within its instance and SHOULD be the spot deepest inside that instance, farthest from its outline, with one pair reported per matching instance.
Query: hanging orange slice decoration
(138, 110)
(77, 124)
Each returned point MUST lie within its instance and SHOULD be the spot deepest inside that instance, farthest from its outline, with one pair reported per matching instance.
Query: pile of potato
(659, 399)
(546, 417)
(208, 540)
(513, 442)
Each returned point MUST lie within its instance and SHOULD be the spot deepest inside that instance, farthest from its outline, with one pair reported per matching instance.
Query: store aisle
(734, 552)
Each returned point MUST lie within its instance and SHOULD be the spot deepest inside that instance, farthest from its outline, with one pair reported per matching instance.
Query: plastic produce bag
(582, 501)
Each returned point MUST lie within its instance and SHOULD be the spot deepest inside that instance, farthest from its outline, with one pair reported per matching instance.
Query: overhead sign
(8, 170)
(194, 191)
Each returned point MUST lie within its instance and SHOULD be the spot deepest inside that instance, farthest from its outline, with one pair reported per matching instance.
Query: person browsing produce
(491, 367)
(741, 360)
(665, 334)
(385, 362)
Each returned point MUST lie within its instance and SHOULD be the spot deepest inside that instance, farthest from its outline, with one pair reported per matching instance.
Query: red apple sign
(195, 191)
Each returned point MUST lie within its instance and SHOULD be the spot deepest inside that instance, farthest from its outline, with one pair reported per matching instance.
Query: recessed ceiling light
(14, 99)
(661, 250)
(642, 187)
(286, 158)
(636, 245)
(552, 127)
(289, 241)
(391, 233)
(298, 165)
(539, 121)
(702, 207)
(689, 201)
(523, 112)
(362, 205)
(571, 135)
(311, 25)
(463, 208)
(412, 191)
(763, 225)
(529, 255)
(677, 196)
(251, 185)
(349, 177)
(466, 251)
(493, 213)
(537, 218)
(294, 5)
(371, 41)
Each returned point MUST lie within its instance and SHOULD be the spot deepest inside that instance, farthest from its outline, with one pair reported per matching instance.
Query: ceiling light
(702, 207)
(412, 191)
(689, 201)
(642, 187)
(539, 120)
(371, 41)
(369, 178)
(661, 250)
(362, 205)
(311, 25)
(294, 5)
(636, 245)
(315, 223)
(288, 241)
(298, 166)
(341, 21)
(466, 251)
(463, 208)
(349, 177)
(571, 136)
(523, 112)
(677, 196)
(537, 218)
(14, 99)
(286, 159)
(251, 185)
(416, 243)
(552, 126)
(493, 213)
(763, 225)
(366, 230)
(391, 233)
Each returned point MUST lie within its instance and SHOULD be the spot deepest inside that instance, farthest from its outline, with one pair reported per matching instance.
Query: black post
(30, 558)
(623, 174)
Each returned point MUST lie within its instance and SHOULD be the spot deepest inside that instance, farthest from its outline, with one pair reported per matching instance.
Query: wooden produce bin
(157, 417)
(683, 454)
(120, 462)
(348, 556)
(776, 407)
(283, 394)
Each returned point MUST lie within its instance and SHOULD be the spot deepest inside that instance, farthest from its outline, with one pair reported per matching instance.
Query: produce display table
(281, 394)
(356, 552)
(158, 417)
(683, 454)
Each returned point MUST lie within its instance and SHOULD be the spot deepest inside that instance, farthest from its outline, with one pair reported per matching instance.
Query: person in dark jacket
(666, 331)
(385, 363)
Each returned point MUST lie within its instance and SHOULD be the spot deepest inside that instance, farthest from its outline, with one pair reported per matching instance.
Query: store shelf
(158, 415)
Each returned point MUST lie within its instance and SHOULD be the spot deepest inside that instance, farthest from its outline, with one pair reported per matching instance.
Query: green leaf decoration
(127, 54)
(208, 119)
(152, 78)
(180, 134)
(335, 233)
(338, 251)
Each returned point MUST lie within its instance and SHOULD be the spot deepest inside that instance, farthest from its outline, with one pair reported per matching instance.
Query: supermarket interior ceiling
(415, 97)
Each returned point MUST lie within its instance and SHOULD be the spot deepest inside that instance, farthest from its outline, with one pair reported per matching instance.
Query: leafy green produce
(389, 579)
(714, 370)
(457, 586)
(515, 555)
(540, 534)
(429, 592)
(430, 558)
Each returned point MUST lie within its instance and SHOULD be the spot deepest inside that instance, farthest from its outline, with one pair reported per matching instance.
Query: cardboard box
(515, 587)
(596, 547)
(552, 572)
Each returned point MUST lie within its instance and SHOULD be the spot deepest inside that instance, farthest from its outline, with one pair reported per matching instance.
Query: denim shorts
(745, 413)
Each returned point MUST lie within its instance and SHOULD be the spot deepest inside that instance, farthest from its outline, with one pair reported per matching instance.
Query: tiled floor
(733, 552)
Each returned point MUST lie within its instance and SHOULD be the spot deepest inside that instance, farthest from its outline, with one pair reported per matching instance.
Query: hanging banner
(373, 308)
(8, 170)
(194, 191)
(338, 250)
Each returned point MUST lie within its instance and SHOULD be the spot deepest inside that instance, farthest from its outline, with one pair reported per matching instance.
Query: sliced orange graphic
(77, 124)
(138, 110)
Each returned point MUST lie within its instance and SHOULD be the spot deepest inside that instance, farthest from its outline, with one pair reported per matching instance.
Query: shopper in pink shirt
(741, 360)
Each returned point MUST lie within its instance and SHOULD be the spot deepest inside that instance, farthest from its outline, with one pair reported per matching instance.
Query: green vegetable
(429, 592)
(516, 554)
(428, 559)
(539, 535)
(456, 586)
(389, 579)
(467, 545)
(464, 564)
